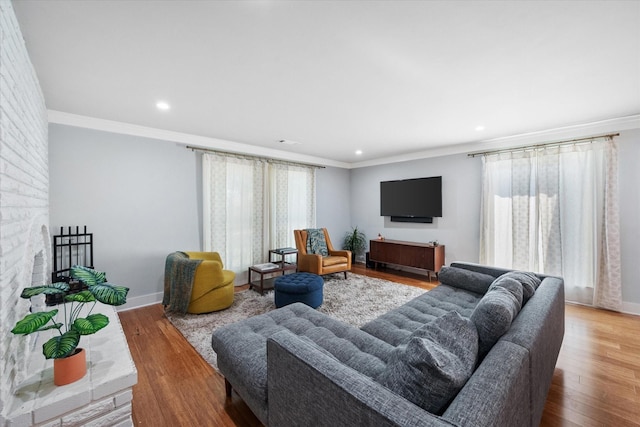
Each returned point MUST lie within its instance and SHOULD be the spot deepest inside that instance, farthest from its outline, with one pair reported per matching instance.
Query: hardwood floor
(596, 381)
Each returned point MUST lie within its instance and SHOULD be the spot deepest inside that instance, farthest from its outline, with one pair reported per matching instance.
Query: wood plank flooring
(596, 381)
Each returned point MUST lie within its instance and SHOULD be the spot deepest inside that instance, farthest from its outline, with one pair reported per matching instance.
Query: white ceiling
(386, 77)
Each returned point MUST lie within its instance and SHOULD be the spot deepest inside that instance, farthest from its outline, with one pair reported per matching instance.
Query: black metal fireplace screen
(71, 249)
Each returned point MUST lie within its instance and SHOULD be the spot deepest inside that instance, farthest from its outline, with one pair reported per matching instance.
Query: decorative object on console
(65, 345)
(354, 241)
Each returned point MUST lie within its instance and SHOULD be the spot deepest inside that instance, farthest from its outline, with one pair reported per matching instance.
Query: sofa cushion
(493, 316)
(330, 260)
(396, 326)
(241, 348)
(435, 364)
(465, 279)
(529, 282)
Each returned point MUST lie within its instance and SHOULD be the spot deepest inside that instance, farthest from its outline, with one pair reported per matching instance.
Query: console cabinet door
(417, 255)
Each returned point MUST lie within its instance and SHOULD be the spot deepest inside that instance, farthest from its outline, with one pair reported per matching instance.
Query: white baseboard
(142, 301)
(631, 308)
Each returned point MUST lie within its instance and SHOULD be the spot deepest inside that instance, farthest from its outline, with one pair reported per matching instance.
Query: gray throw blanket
(179, 274)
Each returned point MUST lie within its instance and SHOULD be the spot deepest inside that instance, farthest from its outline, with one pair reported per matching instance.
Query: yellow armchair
(212, 285)
(194, 287)
(337, 261)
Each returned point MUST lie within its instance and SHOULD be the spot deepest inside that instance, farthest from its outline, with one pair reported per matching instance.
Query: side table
(271, 268)
(283, 252)
(262, 270)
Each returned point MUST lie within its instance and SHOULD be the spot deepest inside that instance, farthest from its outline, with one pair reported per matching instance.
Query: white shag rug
(356, 300)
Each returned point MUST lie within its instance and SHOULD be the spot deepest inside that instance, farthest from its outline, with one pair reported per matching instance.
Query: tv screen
(411, 198)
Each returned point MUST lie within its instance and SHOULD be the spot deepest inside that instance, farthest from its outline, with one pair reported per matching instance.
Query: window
(554, 210)
(252, 205)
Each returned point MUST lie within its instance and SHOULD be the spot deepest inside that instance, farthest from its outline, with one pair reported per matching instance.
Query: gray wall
(142, 198)
(629, 181)
(458, 229)
(332, 202)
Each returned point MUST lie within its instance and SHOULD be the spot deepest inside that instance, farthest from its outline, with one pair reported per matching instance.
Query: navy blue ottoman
(298, 287)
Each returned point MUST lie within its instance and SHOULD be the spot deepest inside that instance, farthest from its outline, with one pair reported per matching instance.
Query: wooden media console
(424, 256)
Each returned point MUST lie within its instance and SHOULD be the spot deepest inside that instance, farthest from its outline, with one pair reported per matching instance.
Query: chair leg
(227, 387)
(345, 274)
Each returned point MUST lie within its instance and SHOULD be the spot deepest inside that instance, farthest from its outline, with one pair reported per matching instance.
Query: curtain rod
(546, 144)
(249, 156)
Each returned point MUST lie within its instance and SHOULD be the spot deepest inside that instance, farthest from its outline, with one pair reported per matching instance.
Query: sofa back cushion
(468, 280)
(529, 282)
(435, 364)
(495, 312)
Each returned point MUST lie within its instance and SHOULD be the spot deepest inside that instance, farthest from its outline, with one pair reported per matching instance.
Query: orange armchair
(336, 261)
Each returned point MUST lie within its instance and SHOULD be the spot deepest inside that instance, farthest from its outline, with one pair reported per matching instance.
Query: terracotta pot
(71, 368)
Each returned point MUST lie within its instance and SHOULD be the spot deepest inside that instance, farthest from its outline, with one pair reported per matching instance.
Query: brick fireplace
(24, 195)
(27, 394)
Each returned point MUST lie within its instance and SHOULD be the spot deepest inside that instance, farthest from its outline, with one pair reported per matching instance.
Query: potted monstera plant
(77, 319)
(354, 241)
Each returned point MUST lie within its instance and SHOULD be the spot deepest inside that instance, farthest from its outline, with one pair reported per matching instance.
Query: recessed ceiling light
(162, 105)
(358, 152)
(479, 128)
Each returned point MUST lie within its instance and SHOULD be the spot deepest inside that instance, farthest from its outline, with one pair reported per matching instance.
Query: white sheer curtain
(234, 205)
(554, 210)
(293, 202)
(252, 205)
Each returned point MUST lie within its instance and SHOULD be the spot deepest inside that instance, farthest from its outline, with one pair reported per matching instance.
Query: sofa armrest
(306, 386)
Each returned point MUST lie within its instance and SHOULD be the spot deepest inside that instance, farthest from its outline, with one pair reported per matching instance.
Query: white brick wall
(103, 396)
(24, 196)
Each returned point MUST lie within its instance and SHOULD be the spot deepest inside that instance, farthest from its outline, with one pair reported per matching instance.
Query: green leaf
(84, 296)
(62, 345)
(110, 294)
(34, 322)
(87, 275)
(92, 324)
(54, 288)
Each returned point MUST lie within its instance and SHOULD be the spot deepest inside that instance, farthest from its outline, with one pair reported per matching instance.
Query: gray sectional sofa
(478, 350)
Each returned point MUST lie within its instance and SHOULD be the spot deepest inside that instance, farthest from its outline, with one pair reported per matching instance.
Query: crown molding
(196, 141)
(514, 141)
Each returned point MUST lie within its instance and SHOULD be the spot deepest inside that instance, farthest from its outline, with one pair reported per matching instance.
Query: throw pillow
(316, 243)
(493, 316)
(465, 279)
(529, 282)
(435, 364)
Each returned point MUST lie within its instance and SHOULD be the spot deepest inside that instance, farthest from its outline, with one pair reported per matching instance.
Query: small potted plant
(354, 241)
(63, 347)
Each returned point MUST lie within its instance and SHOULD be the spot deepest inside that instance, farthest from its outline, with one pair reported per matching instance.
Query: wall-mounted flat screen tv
(412, 200)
